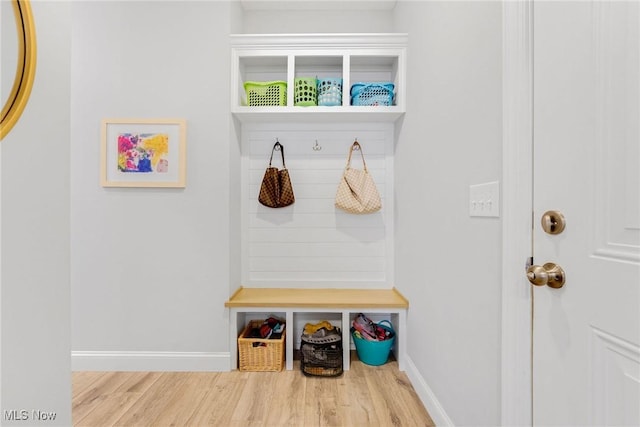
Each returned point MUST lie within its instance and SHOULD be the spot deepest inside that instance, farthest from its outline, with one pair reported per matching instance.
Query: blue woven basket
(374, 353)
(372, 94)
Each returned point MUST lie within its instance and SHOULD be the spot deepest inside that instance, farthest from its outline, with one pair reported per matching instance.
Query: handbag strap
(280, 147)
(356, 146)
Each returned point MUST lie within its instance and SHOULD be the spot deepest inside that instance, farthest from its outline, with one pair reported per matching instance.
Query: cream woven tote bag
(357, 193)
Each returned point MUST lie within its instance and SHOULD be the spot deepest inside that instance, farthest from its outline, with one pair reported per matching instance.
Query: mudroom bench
(345, 304)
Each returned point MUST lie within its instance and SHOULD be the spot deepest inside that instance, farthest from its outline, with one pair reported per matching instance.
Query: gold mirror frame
(26, 70)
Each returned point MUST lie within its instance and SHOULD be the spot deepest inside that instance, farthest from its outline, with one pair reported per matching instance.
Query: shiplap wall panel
(318, 220)
(313, 191)
(317, 235)
(291, 249)
(330, 279)
(312, 243)
(317, 263)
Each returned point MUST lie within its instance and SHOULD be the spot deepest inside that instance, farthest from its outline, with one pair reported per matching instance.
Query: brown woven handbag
(276, 190)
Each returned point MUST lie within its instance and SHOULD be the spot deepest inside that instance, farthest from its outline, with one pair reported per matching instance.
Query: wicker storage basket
(257, 354)
(265, 94)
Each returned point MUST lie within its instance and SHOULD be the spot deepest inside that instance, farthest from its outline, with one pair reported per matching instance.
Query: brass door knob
(549, 274)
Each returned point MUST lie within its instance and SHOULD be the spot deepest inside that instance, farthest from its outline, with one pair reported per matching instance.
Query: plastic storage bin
(305, 92)
(330, 92)
(326, 363)
(322, 356)
(374, 352)
(265, 94)
(372, 94)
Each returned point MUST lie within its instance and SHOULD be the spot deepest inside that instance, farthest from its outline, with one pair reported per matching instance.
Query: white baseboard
(435, 409)
(150, 361)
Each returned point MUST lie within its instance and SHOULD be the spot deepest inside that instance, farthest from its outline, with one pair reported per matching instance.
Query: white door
(586, 358)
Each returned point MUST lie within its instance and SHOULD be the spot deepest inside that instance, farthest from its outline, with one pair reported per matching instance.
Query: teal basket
(374, 353)
(330, 92)
(372, 94)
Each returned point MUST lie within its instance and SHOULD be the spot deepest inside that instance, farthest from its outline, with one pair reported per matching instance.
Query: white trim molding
(426, 395)
(613, 361)
(317, 5)
(166, 361)
(517, 167)
(318, 41)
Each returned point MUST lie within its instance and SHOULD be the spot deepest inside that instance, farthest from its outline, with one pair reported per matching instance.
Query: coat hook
(277, 146)
(317, 147)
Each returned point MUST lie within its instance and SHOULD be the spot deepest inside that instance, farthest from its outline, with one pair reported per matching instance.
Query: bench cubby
(339, 306)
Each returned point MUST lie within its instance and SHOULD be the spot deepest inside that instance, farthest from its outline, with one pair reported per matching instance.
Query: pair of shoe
(310, 329)
(321, 333)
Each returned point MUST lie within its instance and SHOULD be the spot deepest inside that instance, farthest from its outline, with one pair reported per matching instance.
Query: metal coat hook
(356, 145)
(317, 147)
(277, 147)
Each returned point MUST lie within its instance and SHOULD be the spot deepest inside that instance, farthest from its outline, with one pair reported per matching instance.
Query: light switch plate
(484, 199)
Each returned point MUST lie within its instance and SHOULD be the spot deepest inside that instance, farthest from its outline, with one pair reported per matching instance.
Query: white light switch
(484, 199)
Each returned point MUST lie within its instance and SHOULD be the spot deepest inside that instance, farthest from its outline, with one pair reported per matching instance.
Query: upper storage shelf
(354, 58)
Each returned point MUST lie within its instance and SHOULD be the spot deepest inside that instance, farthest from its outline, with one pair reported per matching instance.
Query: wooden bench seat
(318, 298)
(347, 302)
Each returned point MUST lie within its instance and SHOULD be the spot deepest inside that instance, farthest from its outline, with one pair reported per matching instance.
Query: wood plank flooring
(363, 396)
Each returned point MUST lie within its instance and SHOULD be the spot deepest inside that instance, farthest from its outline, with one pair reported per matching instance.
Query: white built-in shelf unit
(311, 243)
(352, 57)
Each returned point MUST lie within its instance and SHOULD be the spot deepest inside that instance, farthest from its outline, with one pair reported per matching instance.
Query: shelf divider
(291, 68)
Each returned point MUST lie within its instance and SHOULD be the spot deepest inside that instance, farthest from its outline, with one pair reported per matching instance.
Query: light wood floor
(363, 396)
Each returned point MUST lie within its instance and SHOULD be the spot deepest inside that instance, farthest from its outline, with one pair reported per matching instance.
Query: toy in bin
(373, 341)
(269, 329)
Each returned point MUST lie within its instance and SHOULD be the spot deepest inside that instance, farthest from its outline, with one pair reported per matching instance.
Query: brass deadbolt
(553, 222)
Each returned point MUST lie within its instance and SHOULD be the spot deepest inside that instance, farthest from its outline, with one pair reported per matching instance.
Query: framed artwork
(143, 153)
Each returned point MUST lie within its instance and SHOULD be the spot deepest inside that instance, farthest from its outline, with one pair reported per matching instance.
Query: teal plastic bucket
(374, 353)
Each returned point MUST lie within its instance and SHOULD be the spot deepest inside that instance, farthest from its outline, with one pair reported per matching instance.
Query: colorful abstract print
(143, 152)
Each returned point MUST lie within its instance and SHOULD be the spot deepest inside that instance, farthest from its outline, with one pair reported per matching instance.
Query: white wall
(235, 266)
(317, 21)
(448, 264)
(151, 267)
(34, 280)
(137, 293)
